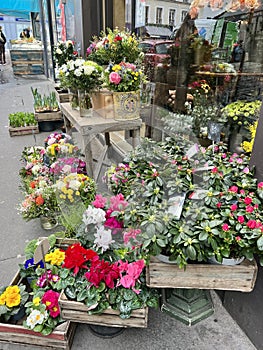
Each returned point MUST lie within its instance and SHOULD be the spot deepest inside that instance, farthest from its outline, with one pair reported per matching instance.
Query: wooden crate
(202, 276)
(23, 130)
(78, 312)
(61, 95)
(48, 116)
(102, 103)
(60, 338)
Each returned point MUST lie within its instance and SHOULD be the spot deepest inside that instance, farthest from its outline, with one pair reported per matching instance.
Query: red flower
(118, 38)
(219, 205)
(233, 207)
(249, 209)
(240, 219)
(252, 224)
(248, 200)
(50, 299)
(214, 170)
(76, 256)
(40, 200)
(225, 227)
(101, 270)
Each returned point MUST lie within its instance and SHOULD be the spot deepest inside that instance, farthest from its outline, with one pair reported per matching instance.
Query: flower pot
(48, 223)
(85, 105)
(165, 259)
(126, 105)
(226, 261)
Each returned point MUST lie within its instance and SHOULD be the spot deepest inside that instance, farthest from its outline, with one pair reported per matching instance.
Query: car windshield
(162, 48)
(145, 47)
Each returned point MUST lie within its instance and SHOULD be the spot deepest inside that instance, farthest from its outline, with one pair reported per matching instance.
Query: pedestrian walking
(2, 47)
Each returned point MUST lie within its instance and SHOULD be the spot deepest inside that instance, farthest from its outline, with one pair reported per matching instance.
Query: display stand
(97, 129)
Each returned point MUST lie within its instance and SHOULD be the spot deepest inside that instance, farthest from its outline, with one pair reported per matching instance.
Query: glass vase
(48, 223)
(73, 99)
(85, 105)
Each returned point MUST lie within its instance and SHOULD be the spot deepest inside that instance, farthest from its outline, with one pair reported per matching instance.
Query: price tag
(175, 205)
(41, 250)
(192, 151)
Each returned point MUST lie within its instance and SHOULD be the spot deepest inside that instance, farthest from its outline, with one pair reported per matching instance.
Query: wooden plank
(202, 276)
(24, 130)
(48, 116)
(78, 312)
(62, 97)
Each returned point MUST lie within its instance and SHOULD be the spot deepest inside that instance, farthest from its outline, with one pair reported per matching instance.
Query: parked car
(155, 52)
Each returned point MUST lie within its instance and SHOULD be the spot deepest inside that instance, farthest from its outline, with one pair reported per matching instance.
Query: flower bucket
(126, 105)
(48, 223)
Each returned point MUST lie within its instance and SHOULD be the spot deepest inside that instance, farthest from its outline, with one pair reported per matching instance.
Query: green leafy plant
(20, 119)
(44, 103)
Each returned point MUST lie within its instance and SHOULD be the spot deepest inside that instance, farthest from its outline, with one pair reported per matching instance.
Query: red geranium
(76, 256)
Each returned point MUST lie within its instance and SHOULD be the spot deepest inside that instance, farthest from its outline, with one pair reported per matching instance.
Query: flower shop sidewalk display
(14, 332)
(22, 123)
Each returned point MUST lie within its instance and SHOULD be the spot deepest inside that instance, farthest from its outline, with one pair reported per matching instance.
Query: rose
(114, 78)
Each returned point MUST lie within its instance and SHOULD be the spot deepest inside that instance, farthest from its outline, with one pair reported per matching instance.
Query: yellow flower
(12, 296)
(56, 257)
(2, 299)
(36, 301)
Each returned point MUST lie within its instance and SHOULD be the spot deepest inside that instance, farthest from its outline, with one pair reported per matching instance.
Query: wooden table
(90, 127)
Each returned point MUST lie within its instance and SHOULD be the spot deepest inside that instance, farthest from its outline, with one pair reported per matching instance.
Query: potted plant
(22, 123)
(124, 80)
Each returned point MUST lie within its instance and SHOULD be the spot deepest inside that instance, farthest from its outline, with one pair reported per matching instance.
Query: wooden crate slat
(77, 312)
(48, 116)
(62, 97)
(203, 276)
(23, 130)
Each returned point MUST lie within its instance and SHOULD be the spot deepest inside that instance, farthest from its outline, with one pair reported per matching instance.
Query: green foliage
(19, 119)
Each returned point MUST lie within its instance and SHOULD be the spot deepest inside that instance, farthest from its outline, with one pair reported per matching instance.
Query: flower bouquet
(64, 52)
(114, 46)
(123, 77)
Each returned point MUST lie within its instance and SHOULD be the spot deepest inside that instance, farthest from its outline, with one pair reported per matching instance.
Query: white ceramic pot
(226, 261)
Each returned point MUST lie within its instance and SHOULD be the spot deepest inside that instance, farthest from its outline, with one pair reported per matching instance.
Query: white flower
(66, 169)
(94, 216)
(68, 43)
(58, 51)
(78, 72)
(36, 317)
(103, 238)
(74, 184)
(88, 69)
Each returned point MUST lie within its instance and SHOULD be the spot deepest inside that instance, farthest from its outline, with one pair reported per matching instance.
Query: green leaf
(191, 252)
(260, 243)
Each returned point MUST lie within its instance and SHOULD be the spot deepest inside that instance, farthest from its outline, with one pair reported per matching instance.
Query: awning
(19, 8)
(158, 32)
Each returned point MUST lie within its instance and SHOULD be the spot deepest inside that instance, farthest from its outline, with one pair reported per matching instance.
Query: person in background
(25, 34)
(2, 47)
(238, 52)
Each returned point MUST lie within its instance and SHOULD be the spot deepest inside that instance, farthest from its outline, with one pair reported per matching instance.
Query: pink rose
(233, 207)
(115, 78)
(225, 227)
(233, 189)
(240, 219)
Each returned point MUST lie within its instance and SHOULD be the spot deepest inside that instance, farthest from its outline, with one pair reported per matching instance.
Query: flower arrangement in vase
(114, 46)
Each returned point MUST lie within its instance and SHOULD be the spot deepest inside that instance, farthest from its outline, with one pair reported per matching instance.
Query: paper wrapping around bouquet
(126, 105)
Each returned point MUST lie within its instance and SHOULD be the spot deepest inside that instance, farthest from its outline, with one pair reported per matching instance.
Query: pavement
(164, 332)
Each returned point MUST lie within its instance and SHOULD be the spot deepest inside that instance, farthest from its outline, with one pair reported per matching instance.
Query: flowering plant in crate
(123, 77)
(68, 165)
(220, 218)
(242, 112)
(57, 137)
(114, 46)
(12, 298)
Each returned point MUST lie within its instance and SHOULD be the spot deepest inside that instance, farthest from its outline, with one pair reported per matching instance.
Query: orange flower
(40, 200)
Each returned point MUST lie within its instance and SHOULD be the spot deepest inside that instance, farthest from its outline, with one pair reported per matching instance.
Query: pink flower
(239, 160)
(233, 207)
(249, 209)
(246, 170)
(240, 219)
(238, 238)
(252, 224)
(260, 185)
(242, 191)
(225, 227)
(247, 200)
(100, 201)
(118, 203)
(219, 205)
(50, 299)
(115, 78)
(214, 170)
(233, 189)
(130, 234)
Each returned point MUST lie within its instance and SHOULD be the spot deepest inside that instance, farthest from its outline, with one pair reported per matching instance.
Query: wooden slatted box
(78, 312)
(202, 276)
